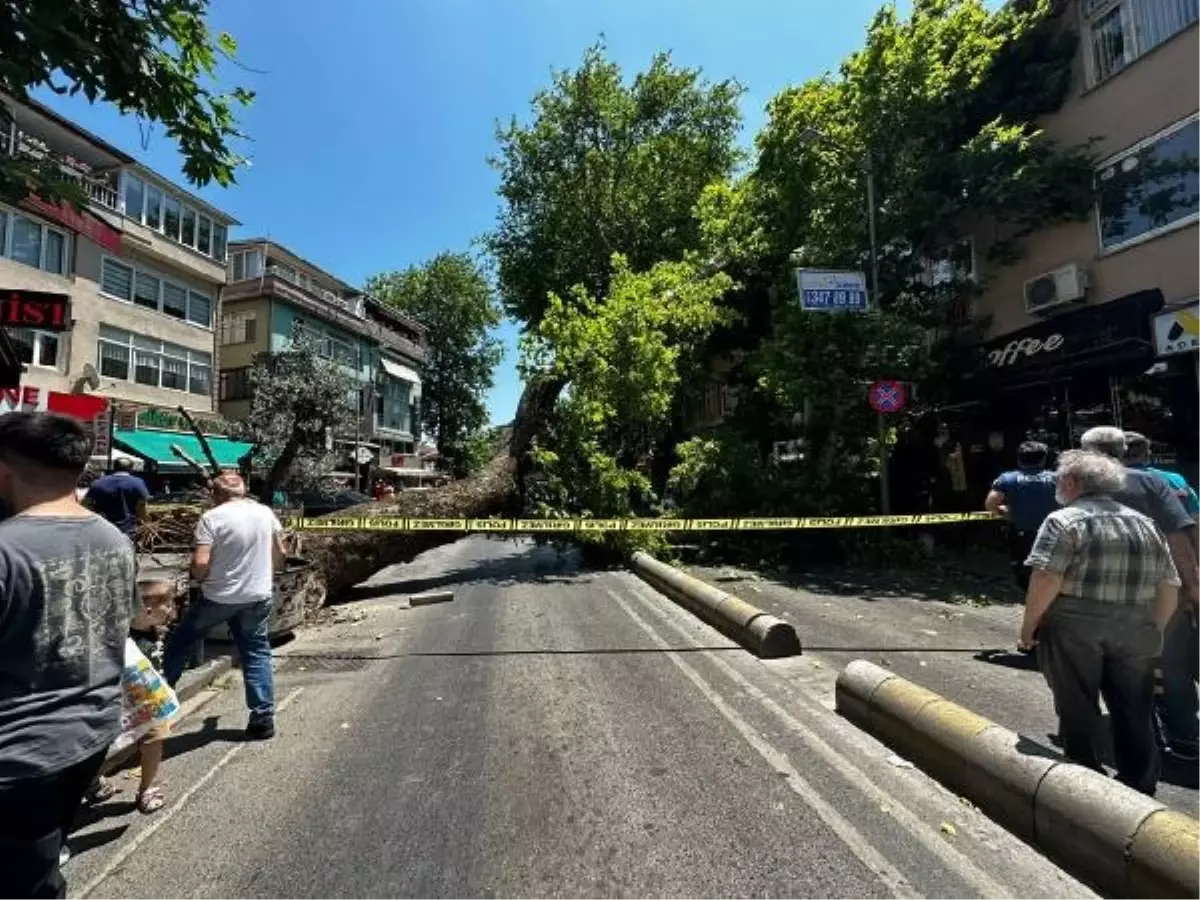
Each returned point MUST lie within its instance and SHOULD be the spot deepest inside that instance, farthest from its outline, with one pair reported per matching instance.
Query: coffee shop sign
(1015, 351)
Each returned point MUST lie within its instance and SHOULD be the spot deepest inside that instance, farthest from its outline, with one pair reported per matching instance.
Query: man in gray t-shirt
(67, 591)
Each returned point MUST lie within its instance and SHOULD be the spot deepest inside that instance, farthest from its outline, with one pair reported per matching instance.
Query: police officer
(1024, 496)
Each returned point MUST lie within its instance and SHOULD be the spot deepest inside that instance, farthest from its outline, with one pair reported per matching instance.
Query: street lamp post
(868, 164)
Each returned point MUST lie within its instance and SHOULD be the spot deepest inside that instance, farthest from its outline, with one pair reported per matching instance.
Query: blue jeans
(249, 623)
(1178, 703)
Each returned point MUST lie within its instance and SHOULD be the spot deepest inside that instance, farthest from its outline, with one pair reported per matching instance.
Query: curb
(1121, 842)
(764, 635)
(191, 683)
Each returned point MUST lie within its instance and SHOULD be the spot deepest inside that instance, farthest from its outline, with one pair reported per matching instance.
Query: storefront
(164, 443)
(1054, 380)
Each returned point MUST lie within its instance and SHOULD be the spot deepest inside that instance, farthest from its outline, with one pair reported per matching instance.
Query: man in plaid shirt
(1103, 588)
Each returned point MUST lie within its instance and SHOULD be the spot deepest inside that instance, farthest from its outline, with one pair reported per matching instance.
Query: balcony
(275, 283)
(97, 186)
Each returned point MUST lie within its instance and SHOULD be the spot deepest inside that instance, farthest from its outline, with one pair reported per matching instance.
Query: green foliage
(155, 59)
(606, 167)
(451, 297)
(941, 109)
(623, 357)
(299, 397)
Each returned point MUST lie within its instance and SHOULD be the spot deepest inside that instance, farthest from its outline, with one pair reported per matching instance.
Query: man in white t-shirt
(239, 545)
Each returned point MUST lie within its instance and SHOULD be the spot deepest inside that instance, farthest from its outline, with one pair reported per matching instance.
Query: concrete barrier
(764, 635)
(1121, 842)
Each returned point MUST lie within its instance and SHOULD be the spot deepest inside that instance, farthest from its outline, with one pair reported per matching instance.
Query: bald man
(239, 545)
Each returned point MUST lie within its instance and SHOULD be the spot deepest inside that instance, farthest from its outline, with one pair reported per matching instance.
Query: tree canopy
(606, 166)
(452, 298)
(156, 59)
(300, 399)
(942, 107)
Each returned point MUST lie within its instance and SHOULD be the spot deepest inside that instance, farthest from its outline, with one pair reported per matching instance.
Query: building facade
(1096, 324)
(140, 272)
(275, 296)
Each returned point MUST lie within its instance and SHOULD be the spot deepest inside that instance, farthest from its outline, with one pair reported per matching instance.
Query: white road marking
(892, 877)
(921, 831)
(166, 815)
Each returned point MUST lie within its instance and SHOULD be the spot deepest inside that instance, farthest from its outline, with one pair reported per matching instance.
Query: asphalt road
(965, 652)
(548, 733)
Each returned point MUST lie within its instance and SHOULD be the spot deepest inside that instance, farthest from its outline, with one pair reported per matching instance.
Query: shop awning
(156, 447)
(400, 371)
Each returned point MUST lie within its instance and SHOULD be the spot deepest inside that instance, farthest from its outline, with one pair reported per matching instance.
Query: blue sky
(374, 118)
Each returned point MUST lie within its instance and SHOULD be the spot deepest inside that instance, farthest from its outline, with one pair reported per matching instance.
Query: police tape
(544, 526)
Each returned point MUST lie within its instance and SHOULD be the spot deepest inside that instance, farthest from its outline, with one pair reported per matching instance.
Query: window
(246, 264)
(235, 384)
(238, 328)
(145, 290)
(175, 298)
(171, 216)
(174, 373)
(116, 279)
(55, 253)
(26, 242)
(155, 363)
(1119, 31)
(151, 291)
(1151, 188)
(154, 200)
(32, 243)
(189, 227)
(135, 195)
(146, 367)
(220, 235)
(953, 262)
(199, 309)
(200, 375)
(35, 348)
(204, 235)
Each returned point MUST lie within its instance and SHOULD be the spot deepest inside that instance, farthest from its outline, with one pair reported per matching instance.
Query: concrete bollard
(1121, 842)
(767, 636)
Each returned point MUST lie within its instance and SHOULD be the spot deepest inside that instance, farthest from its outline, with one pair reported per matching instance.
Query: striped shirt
(1106, 553)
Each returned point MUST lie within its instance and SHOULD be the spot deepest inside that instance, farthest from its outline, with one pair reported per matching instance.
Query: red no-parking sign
(887, 396)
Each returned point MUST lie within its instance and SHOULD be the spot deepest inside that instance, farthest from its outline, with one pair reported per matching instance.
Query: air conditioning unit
(1065, 285)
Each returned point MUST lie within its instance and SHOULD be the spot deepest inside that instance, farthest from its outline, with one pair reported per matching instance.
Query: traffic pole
(885, 494)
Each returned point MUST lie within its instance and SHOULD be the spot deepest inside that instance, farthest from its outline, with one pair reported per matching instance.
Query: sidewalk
(948, 641)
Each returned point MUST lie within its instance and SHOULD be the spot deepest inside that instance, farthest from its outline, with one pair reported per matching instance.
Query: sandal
(151, 800)
(102, 789)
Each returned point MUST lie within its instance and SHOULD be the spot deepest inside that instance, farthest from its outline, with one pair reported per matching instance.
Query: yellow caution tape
(547, 526)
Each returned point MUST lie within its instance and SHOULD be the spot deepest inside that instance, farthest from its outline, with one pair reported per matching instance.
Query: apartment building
(274, 296)
(118, 301)
(1097, 323)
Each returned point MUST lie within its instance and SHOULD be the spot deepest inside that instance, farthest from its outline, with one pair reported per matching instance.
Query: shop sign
(85, 407)
(1015, 352)
(133, 418)
(828, 291)
(1087, 335)
(104, 235)
(1177, 331)
(35, 309)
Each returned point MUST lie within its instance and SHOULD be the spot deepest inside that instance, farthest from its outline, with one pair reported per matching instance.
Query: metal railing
(97, 189)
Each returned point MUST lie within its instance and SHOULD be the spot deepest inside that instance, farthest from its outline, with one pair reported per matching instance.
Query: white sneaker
(64, 854)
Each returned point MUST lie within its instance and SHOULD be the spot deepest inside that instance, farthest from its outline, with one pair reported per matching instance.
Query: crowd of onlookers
(81, 640)
(1105, 550)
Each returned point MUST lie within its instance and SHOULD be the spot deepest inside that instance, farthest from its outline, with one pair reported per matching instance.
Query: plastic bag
(146, 699)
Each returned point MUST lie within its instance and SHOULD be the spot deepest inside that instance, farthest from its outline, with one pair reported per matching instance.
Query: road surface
(965, 652)
(550, 732)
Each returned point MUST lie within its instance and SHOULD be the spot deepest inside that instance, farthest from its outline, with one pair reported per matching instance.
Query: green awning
(156, 446)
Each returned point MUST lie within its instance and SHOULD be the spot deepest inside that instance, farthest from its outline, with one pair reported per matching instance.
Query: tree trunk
(279, 470)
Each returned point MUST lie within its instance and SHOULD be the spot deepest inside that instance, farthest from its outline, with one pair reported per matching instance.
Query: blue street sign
(823, 290)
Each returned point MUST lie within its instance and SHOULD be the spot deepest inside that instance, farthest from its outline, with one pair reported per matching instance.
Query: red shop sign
(82, 223)
(35, 309)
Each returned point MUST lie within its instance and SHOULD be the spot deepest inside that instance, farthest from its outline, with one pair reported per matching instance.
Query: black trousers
(1084, 657)
(35, 816)
(1020, 543)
